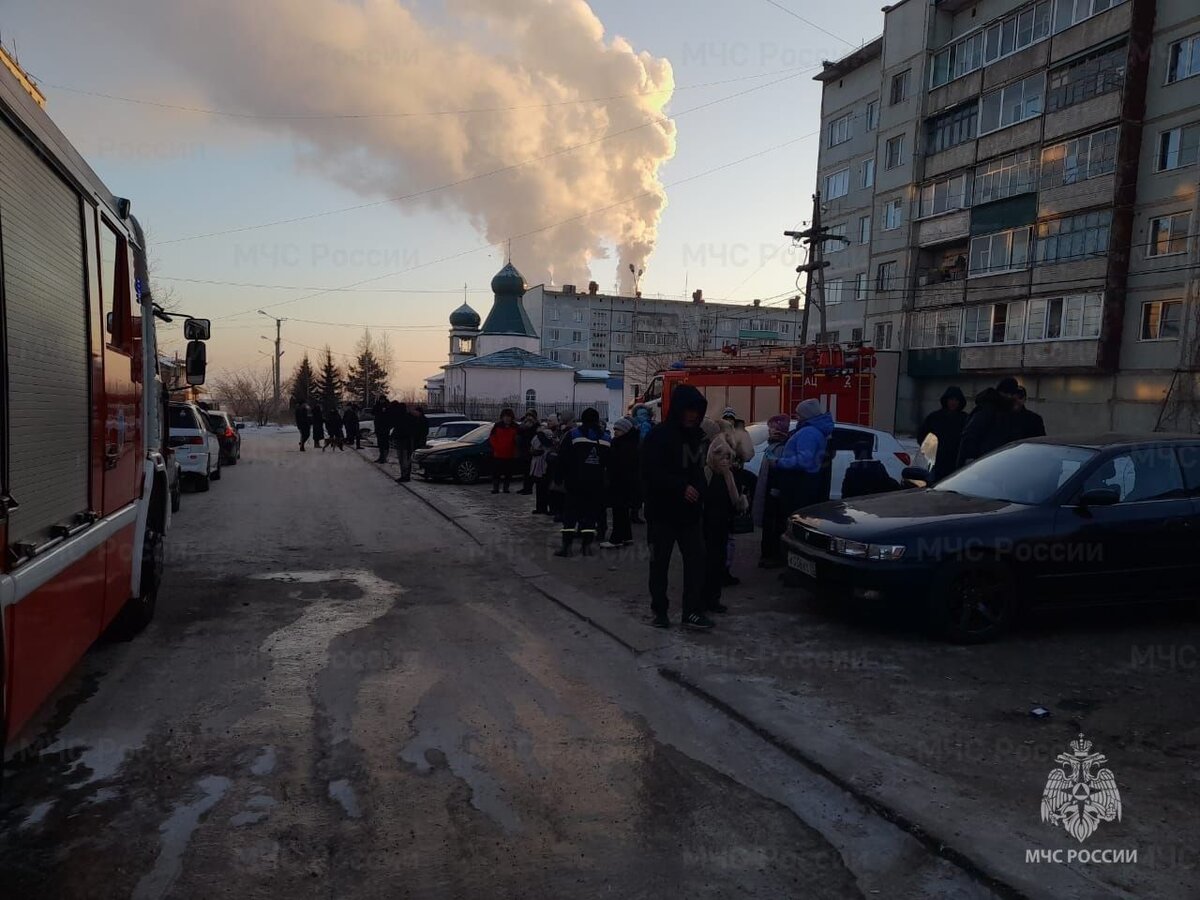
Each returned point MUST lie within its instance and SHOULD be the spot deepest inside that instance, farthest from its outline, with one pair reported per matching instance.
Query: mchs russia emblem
(1081, 795)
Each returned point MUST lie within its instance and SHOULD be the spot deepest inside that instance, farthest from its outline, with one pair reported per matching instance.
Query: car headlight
(859, 550)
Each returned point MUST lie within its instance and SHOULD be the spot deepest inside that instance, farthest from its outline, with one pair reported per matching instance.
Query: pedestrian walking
(721, 502)
(401, 437)
(803, 467)
(318, 425)
(769, 510)
(303, 422)
(539, 450)
(946, 424)
(334, 428)
(992, 423)
(350, 424)
(585, 463)
(380, 415)
(503, 441)
(1029, 423)
(672, 484)
(624, 481)
(526, 431)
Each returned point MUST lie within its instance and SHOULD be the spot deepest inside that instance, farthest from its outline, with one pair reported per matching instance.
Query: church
(497, 364)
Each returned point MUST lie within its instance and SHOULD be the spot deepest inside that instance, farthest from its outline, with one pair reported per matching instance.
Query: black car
(465, 460)
(1053, 521)
(228, 434)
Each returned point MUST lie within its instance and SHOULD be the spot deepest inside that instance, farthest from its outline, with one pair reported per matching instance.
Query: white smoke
(335, 57)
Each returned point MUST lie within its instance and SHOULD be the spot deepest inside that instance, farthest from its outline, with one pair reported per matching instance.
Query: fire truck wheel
(138, 612)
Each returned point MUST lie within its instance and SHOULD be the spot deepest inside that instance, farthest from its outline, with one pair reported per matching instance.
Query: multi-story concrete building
(1034, 202)
(598, 331)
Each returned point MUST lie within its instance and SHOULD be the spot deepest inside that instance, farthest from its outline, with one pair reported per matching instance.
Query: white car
(885, 448)
(197, 449)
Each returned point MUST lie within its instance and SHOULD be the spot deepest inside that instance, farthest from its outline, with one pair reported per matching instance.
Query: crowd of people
(402, 428)
(331, 427)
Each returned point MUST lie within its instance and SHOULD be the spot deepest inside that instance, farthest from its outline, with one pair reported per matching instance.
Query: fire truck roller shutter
(46, 333)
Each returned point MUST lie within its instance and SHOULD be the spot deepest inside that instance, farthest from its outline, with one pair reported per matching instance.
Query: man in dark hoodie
(1029, 423)
(672, 485)
(303, 422)
(946, 424)
(992, 423)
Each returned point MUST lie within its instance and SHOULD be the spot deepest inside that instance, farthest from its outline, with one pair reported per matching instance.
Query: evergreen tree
(304, 383)
(367, 377)
(329, 382)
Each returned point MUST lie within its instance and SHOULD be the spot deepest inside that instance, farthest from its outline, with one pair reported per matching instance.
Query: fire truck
(855, 383)
(84, 498)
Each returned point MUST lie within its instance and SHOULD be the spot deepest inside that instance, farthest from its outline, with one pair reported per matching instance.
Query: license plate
(802, 564)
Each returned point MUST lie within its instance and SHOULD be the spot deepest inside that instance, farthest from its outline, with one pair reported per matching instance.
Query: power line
(158, 104)
(296, 287)
(811, 24)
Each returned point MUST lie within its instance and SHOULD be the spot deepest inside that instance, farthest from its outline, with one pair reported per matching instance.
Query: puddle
(176, 832)
(341, 791)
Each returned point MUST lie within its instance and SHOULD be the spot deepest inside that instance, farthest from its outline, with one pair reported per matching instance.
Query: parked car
(885, 447)
(1047, 522)
(196, 447)
(221, 424)
(451, 431)
(441, 418)
(465, 460)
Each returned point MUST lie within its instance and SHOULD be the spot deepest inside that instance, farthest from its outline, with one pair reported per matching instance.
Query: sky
(733, 168)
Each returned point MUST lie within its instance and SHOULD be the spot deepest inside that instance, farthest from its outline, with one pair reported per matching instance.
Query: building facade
(591, 330)
(1034, 202)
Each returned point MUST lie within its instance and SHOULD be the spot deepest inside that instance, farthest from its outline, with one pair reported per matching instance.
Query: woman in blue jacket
(800, 466)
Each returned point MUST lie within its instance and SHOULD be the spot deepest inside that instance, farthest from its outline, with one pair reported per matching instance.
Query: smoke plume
(531, 58)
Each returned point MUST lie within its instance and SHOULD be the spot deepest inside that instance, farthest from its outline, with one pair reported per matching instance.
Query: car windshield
(477, 436)
(1026, 473)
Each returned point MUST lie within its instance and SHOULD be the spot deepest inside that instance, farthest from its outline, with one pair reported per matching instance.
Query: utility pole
(814, 239)
(278, 353)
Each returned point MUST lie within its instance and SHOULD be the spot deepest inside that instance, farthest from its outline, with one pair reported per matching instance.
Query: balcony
(1062, 354)
(990, 357)
(944, 227)
(939, 287)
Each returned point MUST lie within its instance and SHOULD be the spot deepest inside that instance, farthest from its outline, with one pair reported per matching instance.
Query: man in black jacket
(946, 424)
(380, 414)
(992, 424)
(1029, 423)
(350, 423)
(673, 482)
(303, 422)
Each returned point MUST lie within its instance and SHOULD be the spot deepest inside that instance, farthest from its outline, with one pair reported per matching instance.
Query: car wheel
(974, 602)
(138, 611)
(176, 498)
(233, 458)
(467, 472)
(216, 476)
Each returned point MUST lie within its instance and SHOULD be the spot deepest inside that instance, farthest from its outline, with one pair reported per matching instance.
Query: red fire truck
(84, 501)
(851, 381)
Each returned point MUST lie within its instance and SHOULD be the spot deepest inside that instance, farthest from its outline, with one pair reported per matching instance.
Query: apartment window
(576, 356)
(1077, 160)
(1071, 12)
(885, 275)
(578, 315)
(872, 115)
(829, 337)
(994, 323)
(945, 194)
(1183, 59)
(600, 316)
(576, 337)
(856, 335)
(833, 291)
(1004, 251)
(864, 229)
(951, 129)
(835, 245)
(899, 92)
(883, 336)
(893, 214)
(1074, 237)
(1177, 148)
(837, 184)
(621, 338)
(554, 313)
(554, 355)
(554, 334)
(931, 329)
(860, 286)
(868, 173)
(893, 154)
(839, 130)
(1064, 318)
(1094, 75)
(1161, 320)
(1012, 103)
(1004, 36)
(785, 328)
(622, 320)
(1006, 176)
(1169, 234)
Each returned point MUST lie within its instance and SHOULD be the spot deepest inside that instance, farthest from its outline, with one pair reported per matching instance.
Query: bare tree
(249, 393)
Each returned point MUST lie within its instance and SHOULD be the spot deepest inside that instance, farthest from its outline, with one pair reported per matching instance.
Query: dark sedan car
(228, 434)
(1089, 520)
(465, 460)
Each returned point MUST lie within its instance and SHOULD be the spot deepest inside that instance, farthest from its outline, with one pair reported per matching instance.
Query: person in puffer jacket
(800, 467)
(722, 501)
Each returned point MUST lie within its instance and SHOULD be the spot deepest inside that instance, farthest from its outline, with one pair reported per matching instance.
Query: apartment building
(1034, 206)
(590, 330)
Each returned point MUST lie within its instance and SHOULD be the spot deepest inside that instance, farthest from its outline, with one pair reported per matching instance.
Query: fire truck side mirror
(197, 329)
(197, 362)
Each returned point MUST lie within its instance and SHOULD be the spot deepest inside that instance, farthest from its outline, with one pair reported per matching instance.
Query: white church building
(498, 365)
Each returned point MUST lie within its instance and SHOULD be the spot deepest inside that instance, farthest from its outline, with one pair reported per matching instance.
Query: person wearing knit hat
(624, 482)
(808, 409)
(729, 413)
(802, 464)
(769, 512)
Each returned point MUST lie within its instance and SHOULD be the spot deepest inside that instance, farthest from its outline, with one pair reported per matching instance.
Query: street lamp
(278, 352)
